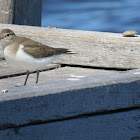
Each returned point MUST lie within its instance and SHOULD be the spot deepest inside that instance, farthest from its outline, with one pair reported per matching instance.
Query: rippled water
(96, 15)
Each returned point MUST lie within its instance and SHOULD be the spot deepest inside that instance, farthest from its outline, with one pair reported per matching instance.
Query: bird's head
(7, 37)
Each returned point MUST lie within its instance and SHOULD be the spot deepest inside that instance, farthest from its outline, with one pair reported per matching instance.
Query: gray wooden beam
(6, 11)
(10, 77)
(7, 71)
(23, 12)
(62, 99)
(96, 49)
(115, 126)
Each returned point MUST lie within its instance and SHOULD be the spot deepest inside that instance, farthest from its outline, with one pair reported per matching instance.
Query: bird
(28, 54)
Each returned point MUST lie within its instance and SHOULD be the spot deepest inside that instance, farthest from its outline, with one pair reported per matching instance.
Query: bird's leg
(37, 74)
(27, 75)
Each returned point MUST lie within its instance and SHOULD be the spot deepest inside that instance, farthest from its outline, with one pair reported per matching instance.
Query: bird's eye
(7, 35)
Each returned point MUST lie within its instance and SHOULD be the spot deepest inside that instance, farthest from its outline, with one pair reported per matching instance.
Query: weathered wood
(25, 12)
(6, 11)
(6, 70)
(37, 110)
(97, 49)
(62, 99)
(68, 73)
(117, 126)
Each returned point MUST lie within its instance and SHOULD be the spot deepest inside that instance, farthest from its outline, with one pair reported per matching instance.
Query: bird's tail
(70, 52)
(64, 51)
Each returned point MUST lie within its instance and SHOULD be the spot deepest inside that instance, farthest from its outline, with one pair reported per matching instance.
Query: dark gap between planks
(66, 65)
(94, 67)
(38, 122)
(23, 73)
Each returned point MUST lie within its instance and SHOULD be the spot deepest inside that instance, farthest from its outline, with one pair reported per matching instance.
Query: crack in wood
(63, 65)
(94, 67)
(23, 73)
(39, 122)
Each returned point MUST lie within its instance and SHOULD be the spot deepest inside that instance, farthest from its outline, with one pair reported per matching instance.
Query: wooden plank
(97, 49)
(22, 12)
(66, 98)
(69, 73)
(116, 126)
(6, 70)
(6, 11)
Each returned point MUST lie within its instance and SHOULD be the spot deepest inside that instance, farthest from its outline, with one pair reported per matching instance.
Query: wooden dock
(91, 95)
(21, 12)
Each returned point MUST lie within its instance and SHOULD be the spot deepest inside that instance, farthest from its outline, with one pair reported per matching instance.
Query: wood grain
(96, 49)
(117, 126)
(12, 78)
(22, 12)
(6, 11)
(72, 96)
(70, 102)
(7, 70)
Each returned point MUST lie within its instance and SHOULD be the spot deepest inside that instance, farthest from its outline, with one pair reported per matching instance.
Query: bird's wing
(38, 50)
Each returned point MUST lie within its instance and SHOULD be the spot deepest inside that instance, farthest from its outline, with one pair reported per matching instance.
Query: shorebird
(28, 54)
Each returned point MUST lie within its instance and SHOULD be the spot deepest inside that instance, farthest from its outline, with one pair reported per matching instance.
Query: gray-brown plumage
(33, 48)
(25, 52)
(38, 50)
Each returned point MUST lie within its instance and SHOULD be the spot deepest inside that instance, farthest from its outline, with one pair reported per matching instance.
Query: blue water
(92, 15)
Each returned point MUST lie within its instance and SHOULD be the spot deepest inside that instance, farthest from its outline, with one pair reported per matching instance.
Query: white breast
(27, 62)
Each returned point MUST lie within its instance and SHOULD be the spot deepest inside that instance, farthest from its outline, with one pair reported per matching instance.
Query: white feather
(26, 61)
